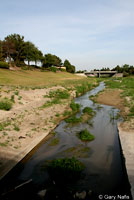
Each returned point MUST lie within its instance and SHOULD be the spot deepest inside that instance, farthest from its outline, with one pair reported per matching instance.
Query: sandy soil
(26, 124)
(113, 98)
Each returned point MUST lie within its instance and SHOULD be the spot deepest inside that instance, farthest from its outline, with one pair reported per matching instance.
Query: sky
(89, 33)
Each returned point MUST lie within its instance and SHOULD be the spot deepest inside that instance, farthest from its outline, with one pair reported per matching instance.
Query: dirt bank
(26, 124)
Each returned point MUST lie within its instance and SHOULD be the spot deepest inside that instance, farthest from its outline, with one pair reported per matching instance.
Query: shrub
(53, 69)
(5, 104)
(85, 135)
(4, 65)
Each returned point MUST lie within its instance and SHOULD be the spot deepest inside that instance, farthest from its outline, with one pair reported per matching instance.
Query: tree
(69, 68)
(51, 60)
(1, 51)
(8, 49)
(17, 44)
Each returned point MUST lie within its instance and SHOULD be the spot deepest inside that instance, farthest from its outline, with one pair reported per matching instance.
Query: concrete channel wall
(127, 143)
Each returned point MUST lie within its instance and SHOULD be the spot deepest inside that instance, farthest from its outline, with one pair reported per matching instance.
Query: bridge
(99, 73)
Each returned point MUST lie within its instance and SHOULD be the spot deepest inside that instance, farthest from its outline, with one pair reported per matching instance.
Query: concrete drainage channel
(104, 174)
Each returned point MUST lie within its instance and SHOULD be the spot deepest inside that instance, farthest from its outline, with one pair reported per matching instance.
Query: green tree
(51, 60)
(19, 44)
(1, 51)
(69, 68)
(8, 49)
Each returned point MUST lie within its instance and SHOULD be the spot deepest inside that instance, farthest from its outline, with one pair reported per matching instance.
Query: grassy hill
(36, 78)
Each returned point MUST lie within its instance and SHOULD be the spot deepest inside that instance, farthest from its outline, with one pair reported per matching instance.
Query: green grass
(85, 135)
(5, 104)
(84, 87)
(59, 94)
(16, 128)
(67, 113)
(51, 103)
(37, 79)
(73, 119)
(3, 125)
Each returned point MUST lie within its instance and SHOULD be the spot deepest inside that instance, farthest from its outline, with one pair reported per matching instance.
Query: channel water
(104, 172)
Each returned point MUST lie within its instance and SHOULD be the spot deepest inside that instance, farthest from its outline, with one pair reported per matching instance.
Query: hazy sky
(90, 33)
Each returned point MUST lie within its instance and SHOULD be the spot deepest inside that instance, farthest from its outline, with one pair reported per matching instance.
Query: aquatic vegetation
(85, 135)
(75, 106)
(73, 119)
(79, 151)
(54, 142)
(65, 169)
(88, 110)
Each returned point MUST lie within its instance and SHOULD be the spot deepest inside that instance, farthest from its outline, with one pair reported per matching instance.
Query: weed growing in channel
(54, 142)
(65, 169)
(75, 106)
(88, 110)
(73, 119)
(85, 135)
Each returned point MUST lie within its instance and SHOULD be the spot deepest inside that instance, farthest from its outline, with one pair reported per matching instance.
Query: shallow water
(104, 171)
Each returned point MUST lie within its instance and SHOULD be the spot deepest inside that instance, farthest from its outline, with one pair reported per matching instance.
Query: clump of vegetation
(16, 92)
(81, 89)
(56, 97)
(65, 169)
(75, 106)
(85, 135)
(54, 142)
(53, 69)
(73, 119)
(66, 113)
(4, 124)
(60, 94)
(4, 65)
(5, 104)
(16, 128)
(12, 99)
(88, 110)
(57, 115)
(50, 103)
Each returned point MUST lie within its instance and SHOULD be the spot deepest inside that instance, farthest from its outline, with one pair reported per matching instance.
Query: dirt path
(26, 124)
